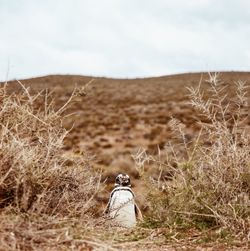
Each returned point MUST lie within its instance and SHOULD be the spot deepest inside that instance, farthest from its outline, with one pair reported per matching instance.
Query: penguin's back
(122, 207)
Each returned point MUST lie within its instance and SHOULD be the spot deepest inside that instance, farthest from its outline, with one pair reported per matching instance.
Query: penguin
(121, 206)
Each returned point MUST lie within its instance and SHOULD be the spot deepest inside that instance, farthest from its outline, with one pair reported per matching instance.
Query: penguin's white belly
(122, 208)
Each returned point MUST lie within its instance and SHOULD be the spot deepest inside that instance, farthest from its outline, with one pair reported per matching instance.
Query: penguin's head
(122, 180)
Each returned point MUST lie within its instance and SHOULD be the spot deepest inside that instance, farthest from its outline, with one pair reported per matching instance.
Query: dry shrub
(210, 183)
(36, 178)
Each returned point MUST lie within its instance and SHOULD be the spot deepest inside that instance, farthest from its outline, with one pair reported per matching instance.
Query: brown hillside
(118, 116)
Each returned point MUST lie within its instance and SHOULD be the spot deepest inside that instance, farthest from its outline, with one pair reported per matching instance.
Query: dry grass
(42, 192)
(209, 185)
(47, 197)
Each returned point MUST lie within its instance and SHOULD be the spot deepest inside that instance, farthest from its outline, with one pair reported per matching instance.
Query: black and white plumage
(122, 207)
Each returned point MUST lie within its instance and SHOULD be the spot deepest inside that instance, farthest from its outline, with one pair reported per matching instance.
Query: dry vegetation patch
(209, 184)
(198, 190)
(42, 192)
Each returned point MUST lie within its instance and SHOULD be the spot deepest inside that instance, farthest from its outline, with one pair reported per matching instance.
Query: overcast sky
(122, 38)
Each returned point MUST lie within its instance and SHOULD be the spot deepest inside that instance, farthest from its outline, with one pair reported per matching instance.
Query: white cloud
(123, 38)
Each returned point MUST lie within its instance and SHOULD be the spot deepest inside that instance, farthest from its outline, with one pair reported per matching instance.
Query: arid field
(113, 118)
(113, 121)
